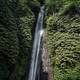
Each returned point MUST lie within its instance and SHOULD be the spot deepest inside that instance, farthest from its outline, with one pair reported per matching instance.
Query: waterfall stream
(36, 46)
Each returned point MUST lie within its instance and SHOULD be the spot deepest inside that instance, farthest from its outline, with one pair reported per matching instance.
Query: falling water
(36, 45)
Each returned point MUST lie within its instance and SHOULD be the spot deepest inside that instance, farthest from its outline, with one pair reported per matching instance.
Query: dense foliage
(63, 38)
(16, 24)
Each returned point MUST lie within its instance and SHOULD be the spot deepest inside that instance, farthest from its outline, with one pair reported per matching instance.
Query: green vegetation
(55, 6)
(16, 24)
(17, 19)
(63, 38)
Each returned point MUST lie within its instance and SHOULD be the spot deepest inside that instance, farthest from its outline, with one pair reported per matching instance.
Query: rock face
(16, 23)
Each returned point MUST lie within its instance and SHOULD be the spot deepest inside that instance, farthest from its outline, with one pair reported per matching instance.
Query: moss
(9, 49)
(63, 42)
(16, 22)
(25, 37)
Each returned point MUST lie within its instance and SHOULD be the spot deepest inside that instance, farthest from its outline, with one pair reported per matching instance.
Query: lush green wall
(63, 39)
(16, 24)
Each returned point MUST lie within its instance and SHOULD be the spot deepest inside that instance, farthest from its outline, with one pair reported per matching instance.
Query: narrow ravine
(34, 68)
(39, 42)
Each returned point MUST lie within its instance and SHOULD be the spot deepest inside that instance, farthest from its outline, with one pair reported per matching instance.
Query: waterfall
(36, 46)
